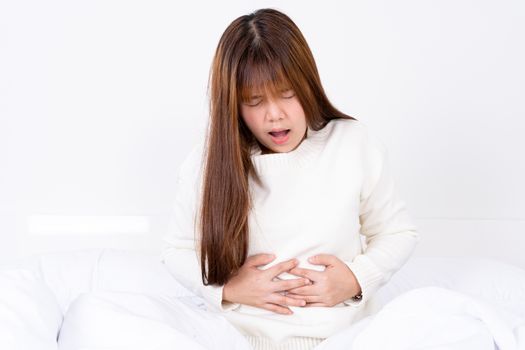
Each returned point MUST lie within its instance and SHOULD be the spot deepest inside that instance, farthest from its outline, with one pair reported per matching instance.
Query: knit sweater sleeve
(390, 233)
(179, 252)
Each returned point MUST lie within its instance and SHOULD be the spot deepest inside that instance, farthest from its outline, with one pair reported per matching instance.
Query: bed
(121, 299)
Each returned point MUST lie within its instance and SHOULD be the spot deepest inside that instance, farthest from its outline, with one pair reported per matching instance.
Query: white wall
(101, 100)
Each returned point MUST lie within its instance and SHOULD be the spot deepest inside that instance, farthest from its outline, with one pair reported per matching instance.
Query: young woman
(269, 210)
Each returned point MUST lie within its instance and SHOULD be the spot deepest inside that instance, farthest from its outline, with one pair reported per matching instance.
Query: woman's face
(277, 122)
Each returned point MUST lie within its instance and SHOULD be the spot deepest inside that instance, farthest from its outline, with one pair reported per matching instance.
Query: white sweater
(316, 199)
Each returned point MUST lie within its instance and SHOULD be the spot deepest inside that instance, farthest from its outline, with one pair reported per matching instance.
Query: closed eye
(254, 101)
(289, 93)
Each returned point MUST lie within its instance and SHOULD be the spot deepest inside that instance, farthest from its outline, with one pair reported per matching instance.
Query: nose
(274, 112)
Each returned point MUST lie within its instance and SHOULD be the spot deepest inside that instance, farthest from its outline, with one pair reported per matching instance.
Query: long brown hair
(263, 49)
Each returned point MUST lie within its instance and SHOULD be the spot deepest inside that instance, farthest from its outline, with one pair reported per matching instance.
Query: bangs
(261, 76)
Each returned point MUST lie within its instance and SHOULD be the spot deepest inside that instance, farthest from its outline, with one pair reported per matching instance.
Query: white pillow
(68, 274)
(122, 271)
(491, 280)
(30, 317)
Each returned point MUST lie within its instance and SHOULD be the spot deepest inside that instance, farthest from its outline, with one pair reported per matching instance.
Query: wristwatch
(358, 296)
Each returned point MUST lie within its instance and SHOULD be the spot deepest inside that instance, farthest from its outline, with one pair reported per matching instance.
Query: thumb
(259, 259)
(322, 259)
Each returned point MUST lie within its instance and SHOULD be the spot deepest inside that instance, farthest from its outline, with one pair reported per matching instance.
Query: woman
(269, 211)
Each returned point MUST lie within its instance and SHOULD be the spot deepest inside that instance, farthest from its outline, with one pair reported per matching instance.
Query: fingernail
(303, 303)
(307, 282)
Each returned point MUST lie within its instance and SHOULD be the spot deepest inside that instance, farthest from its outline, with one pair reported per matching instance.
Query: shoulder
(357, 133)
(347, 125)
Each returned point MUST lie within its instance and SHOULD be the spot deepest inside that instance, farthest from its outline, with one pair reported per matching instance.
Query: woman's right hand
(260, 288)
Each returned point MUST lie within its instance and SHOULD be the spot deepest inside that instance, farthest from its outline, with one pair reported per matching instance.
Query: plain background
(100, 101)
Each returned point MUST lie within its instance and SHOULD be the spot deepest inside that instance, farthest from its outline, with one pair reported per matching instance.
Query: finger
(315, 304)
(307, 298)
(284, 300)
(295, 296)
(312, 275)
(283, 285)
(281, 267)
(323, 259)
(259, 259)
(277, 309)
(305, 290)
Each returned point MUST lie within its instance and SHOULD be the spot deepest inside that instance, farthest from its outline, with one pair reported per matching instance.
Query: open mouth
(280, 137)
(281, 133)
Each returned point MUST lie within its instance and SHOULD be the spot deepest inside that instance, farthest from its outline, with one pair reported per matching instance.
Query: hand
(330, 287)
(261, 288)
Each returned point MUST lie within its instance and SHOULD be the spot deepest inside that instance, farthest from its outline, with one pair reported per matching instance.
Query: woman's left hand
(330, 287)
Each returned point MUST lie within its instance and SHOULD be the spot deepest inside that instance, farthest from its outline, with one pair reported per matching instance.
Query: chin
(282, 149)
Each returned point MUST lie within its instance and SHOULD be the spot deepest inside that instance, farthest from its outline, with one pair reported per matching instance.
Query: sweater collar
(301, 155)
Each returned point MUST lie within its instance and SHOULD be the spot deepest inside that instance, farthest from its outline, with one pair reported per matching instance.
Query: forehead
(263, 88)
(258, 79)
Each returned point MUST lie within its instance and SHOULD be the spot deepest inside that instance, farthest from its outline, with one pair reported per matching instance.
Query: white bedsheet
(111, 299)
(130, 321)
(433, 318)
(30, 317)
(421, 319)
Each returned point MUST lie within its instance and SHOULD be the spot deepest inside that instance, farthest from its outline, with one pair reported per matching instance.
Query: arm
(250, 286)
(390, 234)
(179, 252)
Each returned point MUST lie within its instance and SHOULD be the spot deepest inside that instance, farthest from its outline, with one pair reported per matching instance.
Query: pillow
(491, 280)
(69, 274)
(122, 271)
(30, 317)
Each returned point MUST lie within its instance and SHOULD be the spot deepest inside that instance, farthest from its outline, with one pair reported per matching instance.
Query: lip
(280, 140)
(277, 130)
